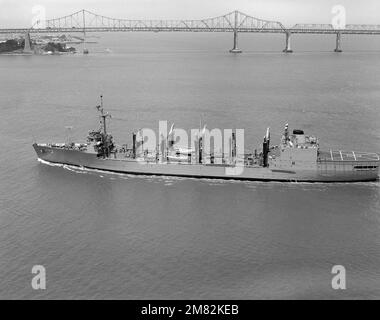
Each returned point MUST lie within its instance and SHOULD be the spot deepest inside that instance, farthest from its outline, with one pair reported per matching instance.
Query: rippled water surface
(103, 235)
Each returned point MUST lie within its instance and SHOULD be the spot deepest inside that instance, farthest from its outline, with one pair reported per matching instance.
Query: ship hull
(324, 172)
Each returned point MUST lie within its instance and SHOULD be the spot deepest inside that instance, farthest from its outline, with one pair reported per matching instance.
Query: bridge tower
(236, 49)
(287, 45)
(338, 47)
(85, 50)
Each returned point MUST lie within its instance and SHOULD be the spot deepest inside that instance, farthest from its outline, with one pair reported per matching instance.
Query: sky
(18, 13)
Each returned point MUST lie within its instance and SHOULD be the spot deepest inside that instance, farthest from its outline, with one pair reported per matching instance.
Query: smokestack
(200, 150)
(163, 148)
(196, 147)
(265, 153)
(233, 145)
(134, 145)
(266, 148)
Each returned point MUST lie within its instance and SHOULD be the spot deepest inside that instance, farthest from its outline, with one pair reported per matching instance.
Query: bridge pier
(235, 49)
(287, 45)
(338, 47)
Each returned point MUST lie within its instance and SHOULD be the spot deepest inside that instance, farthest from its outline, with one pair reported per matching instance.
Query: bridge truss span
(329, 29)
(230, 22)
(236, 22)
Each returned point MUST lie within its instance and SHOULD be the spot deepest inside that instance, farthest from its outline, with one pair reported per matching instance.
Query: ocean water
(109, 236)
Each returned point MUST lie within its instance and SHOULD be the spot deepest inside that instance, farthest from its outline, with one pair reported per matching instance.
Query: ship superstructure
(297, 158)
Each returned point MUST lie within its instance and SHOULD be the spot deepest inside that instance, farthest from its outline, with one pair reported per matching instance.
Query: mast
(286, 133)
(103, 116)
(106, 139)
(68, 135)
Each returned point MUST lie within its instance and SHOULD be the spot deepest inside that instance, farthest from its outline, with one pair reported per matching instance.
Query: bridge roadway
(184, 29)
(84, 21)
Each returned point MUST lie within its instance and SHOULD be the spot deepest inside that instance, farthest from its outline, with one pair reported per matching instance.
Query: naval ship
(297, 158)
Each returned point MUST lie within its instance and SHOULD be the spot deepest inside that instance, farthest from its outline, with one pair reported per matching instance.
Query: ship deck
(340, 155)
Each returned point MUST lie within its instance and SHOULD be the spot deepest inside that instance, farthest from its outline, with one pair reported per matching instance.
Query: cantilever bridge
(235, 21)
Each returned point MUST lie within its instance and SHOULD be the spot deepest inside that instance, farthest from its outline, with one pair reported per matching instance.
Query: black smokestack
(134, 145)
(266, 148)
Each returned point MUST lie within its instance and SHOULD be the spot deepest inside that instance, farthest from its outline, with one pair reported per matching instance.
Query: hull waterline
(324, 172)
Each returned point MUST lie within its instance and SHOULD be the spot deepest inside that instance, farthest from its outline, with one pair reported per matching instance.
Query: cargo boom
(296, 158)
